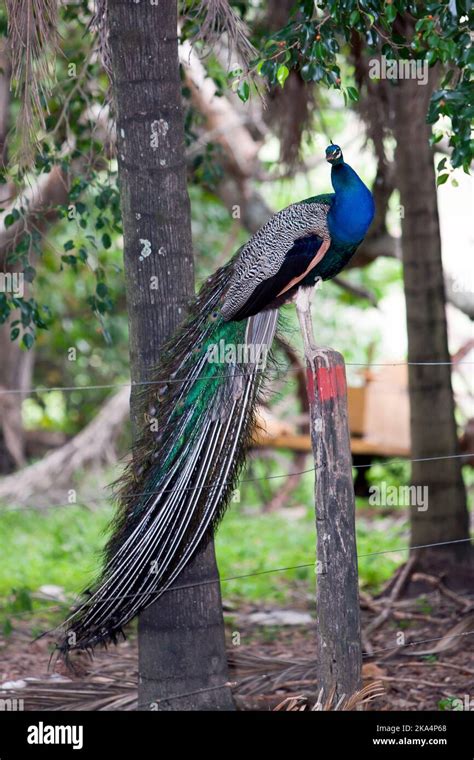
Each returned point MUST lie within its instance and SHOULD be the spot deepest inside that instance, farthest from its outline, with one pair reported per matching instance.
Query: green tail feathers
(197, 419)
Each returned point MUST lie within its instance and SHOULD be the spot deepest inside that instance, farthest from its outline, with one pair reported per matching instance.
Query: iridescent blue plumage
(352, 209)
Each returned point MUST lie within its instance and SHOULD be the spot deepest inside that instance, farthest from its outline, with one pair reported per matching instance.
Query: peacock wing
(277, 257)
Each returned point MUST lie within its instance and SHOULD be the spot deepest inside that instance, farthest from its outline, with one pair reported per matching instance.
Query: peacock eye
(213, 316)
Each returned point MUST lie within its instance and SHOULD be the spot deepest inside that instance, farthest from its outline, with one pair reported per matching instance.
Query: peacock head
(334, 154)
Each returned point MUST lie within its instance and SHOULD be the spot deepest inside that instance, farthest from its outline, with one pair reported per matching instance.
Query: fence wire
(81, 503)
(173, 380)
(212, 581)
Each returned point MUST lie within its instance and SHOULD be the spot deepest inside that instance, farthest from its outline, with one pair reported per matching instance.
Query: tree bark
(433, 426)
(181, 636)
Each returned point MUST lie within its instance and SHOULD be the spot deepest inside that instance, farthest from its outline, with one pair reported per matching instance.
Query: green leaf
(106, 241)
(71, 260)
(14, 333)
(318, 73)
(390, 12)
(29, 273)
(442, 179)
(282, 74)
(28, 340)
(101, 289)
(26, 316)
(352, 93)
(243, 91)
(69, 245)
(307, 72)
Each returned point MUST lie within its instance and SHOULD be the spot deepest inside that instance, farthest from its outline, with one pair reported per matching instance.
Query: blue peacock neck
(353, 207)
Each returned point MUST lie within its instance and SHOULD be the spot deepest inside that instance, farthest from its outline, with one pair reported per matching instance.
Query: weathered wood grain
(339, 653)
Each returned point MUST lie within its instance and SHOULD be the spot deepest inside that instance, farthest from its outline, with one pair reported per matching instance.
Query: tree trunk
(433, 426)
(181, 636)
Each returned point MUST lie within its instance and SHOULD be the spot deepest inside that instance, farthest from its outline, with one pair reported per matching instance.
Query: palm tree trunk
(182, 658)
(433, 426)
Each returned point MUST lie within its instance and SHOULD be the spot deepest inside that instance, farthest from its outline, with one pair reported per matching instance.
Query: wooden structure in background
(379, 418)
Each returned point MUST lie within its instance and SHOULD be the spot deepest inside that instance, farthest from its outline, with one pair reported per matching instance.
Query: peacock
(199, 412)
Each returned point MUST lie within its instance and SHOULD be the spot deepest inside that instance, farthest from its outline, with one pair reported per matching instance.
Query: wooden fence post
(339, 650)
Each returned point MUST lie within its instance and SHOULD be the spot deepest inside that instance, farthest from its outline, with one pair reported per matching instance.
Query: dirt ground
(274, 662)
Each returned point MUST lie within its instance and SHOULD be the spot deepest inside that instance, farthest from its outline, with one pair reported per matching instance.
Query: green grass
(259, 542)
(61, 546)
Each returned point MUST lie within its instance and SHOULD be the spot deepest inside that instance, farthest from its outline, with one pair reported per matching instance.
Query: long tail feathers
(198, 419)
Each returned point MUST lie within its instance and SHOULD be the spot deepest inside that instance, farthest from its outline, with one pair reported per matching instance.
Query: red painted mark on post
(331, 382)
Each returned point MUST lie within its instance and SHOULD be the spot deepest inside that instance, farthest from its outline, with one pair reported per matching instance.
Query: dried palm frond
(264, 675)
(102, 694)
(217, 18)
(33, 33)
(300, 703)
